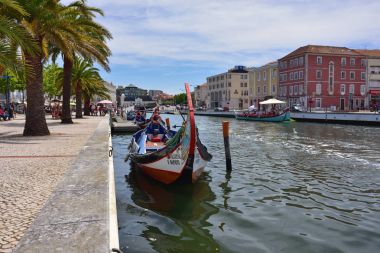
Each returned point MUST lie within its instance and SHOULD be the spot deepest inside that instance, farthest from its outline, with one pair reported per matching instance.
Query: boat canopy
(272, 101)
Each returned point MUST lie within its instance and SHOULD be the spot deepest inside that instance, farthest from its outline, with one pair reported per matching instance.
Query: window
(319, 74)
(291, 76)
(241, 84)
(285, 77)
(331, 78)
(222, 78)
(290, 90)
(229, 84)
(273, 89)
(300, 74)
(296, 76)
(222, 85)
(229, 76)
(241, 76)
(318, 103)
(343, 75)
(258, 90)
(362, 89)
(265, 89)
(217, 86)
(265, 75)
(319, 60)
(352, 61)
(295, 89)
(300, 89)
(362, 62)
(318, 89)
(342, 89)
(236, 92)
(301, 61)
(352, 89)
(258, 76)
(362, 75)
(245, 84)
(296, 62)
(274, 73)
(352, 75)
(343, 61)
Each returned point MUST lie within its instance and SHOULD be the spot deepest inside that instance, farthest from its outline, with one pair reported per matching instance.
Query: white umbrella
(272, 101)
(105, 102)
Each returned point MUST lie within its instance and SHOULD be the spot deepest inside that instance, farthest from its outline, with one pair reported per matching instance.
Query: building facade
(323, 77)
(155, 93)
(230, 89)
(201, 96)
(263, 83)
(372, 75)
(133, 91)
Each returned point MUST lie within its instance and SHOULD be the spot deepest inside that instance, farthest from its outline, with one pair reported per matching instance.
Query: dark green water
(295, 187)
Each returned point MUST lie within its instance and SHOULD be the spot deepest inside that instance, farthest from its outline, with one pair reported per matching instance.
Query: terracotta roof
(316, 49)
(373, 53)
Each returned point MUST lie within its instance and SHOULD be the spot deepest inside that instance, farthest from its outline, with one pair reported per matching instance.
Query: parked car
(218, 109)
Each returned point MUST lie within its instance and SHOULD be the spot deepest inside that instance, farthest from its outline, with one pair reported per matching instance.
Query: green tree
(50, 77)
(180, 98)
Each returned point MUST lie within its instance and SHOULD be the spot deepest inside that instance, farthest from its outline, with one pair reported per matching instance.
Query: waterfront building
(133, 91)
(155, 94)
(111, 92)
(323, 77)
(229, 89)
(263, 83)
(372, 75)
(201, 96)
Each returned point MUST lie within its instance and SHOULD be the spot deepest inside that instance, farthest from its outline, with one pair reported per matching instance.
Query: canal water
(295, 187)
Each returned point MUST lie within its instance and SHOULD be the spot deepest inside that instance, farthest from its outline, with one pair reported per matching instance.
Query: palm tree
(85, 79)
(46, 26)
(91, 45)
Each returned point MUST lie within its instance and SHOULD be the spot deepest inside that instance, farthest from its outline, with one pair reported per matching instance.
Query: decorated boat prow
(170, 156)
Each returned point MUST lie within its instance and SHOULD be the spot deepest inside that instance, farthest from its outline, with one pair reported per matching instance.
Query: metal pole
(227, 145)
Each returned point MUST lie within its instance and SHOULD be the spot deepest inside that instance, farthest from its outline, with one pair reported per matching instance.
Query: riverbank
(35, 167)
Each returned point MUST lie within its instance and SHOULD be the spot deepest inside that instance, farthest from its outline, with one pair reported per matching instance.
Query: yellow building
(230, 89)
(263, 83)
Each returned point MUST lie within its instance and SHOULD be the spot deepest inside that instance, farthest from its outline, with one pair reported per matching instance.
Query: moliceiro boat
(170, 156)
(274, 114)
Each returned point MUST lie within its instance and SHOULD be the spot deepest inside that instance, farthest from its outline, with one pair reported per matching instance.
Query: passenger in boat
(139, 118)
(155, 130)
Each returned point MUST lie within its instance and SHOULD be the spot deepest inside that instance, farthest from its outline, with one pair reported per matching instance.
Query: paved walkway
(31, 167)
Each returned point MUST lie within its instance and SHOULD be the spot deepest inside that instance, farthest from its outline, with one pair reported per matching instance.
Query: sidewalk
(30, 169)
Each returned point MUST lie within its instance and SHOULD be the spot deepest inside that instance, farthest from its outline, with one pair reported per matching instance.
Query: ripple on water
(294, 188)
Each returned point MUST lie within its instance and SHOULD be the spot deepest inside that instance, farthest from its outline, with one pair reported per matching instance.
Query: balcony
(374, 84)
(374, 77)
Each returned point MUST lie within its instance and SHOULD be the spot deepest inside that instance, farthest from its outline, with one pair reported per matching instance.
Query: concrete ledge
(80, 214)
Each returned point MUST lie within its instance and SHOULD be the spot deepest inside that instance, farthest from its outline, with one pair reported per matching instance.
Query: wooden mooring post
(226, 137)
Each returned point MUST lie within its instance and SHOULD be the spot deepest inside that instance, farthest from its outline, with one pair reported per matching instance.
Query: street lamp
(7, 90)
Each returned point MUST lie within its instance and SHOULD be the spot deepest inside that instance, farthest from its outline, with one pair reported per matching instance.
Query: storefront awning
(374, 92)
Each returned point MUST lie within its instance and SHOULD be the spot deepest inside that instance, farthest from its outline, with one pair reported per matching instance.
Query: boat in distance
(275, 114)
(167, 155)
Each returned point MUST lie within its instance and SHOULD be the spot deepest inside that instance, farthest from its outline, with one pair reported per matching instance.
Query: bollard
(227, 145)
(167, 120)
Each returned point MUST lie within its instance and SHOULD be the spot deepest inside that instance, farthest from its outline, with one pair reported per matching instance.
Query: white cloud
(224, 32)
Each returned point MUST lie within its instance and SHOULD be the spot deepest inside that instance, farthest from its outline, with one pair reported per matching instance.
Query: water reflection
(187, 205)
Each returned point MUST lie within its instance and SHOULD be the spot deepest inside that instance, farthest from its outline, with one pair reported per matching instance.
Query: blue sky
(161, 44)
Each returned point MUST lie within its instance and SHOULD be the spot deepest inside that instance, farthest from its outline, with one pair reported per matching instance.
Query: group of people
(7, 114)
(98, 110)
(156, 129)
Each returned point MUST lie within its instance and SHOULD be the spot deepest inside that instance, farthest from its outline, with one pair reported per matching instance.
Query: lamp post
(7, 90)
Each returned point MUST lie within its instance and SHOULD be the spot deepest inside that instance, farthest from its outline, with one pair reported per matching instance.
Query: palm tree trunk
(87, 102)
(66, 91)
(78, 95)
(35, 122)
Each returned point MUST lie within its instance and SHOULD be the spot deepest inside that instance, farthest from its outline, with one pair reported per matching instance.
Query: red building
(323, 77)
